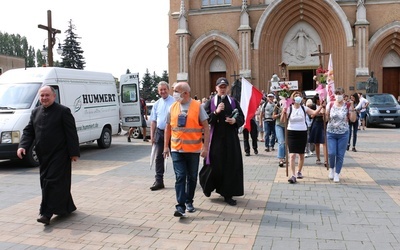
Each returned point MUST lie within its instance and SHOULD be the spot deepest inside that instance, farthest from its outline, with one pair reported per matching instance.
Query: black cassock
(53, 131)
(225, 156)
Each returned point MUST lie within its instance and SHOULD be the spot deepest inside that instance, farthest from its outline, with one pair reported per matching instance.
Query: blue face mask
(298, 99)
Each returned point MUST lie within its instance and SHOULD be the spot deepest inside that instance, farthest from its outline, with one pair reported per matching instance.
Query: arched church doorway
(391, 81)
(304, 78)
(391, 74)
(213, 79)
(217, 70)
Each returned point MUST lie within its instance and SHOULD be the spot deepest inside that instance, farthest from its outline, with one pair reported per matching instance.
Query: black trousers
(159, 141)
(253, 133)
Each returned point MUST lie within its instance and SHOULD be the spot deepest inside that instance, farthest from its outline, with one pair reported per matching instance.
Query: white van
(130, 101)
(91, 96)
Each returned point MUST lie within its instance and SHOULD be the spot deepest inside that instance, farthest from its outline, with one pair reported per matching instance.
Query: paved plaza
(117, 210)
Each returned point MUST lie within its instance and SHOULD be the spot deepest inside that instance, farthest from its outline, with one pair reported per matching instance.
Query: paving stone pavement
(117, 210)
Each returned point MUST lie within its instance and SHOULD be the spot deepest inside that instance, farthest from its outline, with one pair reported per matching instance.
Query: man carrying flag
(249, 101)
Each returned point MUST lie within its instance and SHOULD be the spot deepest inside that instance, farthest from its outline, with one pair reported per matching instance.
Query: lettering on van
(92, 99)
(86, 127)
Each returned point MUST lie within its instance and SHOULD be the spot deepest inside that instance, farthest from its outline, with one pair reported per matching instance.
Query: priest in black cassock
(52, 129)
(225, 154)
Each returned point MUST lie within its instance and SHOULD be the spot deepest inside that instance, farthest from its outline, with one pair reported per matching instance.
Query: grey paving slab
(116, 209)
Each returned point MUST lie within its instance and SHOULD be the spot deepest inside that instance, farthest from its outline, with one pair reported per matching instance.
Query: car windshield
(18, 96)
(381, 100)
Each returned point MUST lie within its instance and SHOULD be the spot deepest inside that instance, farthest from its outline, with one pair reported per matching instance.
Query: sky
(115, 35)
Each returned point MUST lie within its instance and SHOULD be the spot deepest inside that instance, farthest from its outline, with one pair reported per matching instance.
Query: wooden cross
(51, 38)
(320, 54)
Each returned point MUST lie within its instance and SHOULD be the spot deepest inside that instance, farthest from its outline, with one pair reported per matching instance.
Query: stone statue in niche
(372, 84)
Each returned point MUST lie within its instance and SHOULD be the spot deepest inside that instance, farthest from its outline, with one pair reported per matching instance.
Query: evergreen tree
(148, 88)
(165, 76)
(72, 52)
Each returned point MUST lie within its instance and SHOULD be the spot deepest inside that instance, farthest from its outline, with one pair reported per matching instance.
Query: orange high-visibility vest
(189, 138)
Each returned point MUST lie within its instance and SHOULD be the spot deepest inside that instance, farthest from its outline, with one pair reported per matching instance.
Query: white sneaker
(331, 173)
(306, 155)
(336, 177)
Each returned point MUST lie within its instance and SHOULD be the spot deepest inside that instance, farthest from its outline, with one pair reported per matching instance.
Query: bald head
(47, 96)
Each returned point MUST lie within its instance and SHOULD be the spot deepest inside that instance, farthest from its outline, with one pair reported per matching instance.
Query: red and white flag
(249, 101)
(330, 86)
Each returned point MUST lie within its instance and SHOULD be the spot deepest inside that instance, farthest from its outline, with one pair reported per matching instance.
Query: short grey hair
(163, 83)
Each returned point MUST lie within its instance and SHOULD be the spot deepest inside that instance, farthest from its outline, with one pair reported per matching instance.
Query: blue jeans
(337, 144)
(186, 167)
(269, 133)
(280, 135)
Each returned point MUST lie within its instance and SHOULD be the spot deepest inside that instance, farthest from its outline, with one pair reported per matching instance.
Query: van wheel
(31, 158)
(137, 133)
(105, 139)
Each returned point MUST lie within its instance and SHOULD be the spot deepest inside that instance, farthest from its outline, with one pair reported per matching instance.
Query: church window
(212, 3)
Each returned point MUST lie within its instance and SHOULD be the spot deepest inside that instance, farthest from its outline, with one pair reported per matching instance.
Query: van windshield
(381, 99)
(18, 96)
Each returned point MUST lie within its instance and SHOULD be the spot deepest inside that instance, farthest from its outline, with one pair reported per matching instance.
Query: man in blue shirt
(158, 118)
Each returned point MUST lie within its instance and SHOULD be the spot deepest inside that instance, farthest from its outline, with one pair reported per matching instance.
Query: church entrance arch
(217, 70)
(391, 74)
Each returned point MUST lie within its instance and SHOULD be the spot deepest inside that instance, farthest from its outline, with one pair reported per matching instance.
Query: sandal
(318, 162)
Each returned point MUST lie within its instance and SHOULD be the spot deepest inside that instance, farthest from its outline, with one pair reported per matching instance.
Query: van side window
(129, 93)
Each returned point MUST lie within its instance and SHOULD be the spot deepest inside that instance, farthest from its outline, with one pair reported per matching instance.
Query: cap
(270, 95)
(222, 80)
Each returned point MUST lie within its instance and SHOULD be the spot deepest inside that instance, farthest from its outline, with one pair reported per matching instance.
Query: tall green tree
(72, 52)
(164, 76)
(17, 45)
(148, 90)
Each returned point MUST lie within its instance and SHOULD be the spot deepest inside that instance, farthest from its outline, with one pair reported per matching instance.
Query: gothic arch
(326, 17)
(202, 53)
(381, 43)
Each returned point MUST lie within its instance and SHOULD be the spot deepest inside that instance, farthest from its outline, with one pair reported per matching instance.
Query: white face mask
(339, 98)
(177, 96)
(298, 99)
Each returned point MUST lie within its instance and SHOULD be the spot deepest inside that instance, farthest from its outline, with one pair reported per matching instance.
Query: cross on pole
(51, 38)
(320, 54)
(235, 75)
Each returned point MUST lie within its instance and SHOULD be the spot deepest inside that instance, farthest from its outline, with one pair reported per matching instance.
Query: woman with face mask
(338, 114)
(295, 115)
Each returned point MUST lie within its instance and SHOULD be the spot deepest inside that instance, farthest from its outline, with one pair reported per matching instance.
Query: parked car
(382, 109)
(138, 132)
(309, 94)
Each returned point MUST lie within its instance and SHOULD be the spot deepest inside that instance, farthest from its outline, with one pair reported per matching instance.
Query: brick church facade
(235, 38)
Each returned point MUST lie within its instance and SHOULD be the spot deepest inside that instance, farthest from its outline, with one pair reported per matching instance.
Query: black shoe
(180, 212)
(157, 186)
(255, 151)
(272, 149)
(146, 140)
(207, 194)
(354, 149)
(267, 150)
(281, 164)
(44, 219)
(129, 139)
(247, 154)
(348, 146)
(230, 201)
